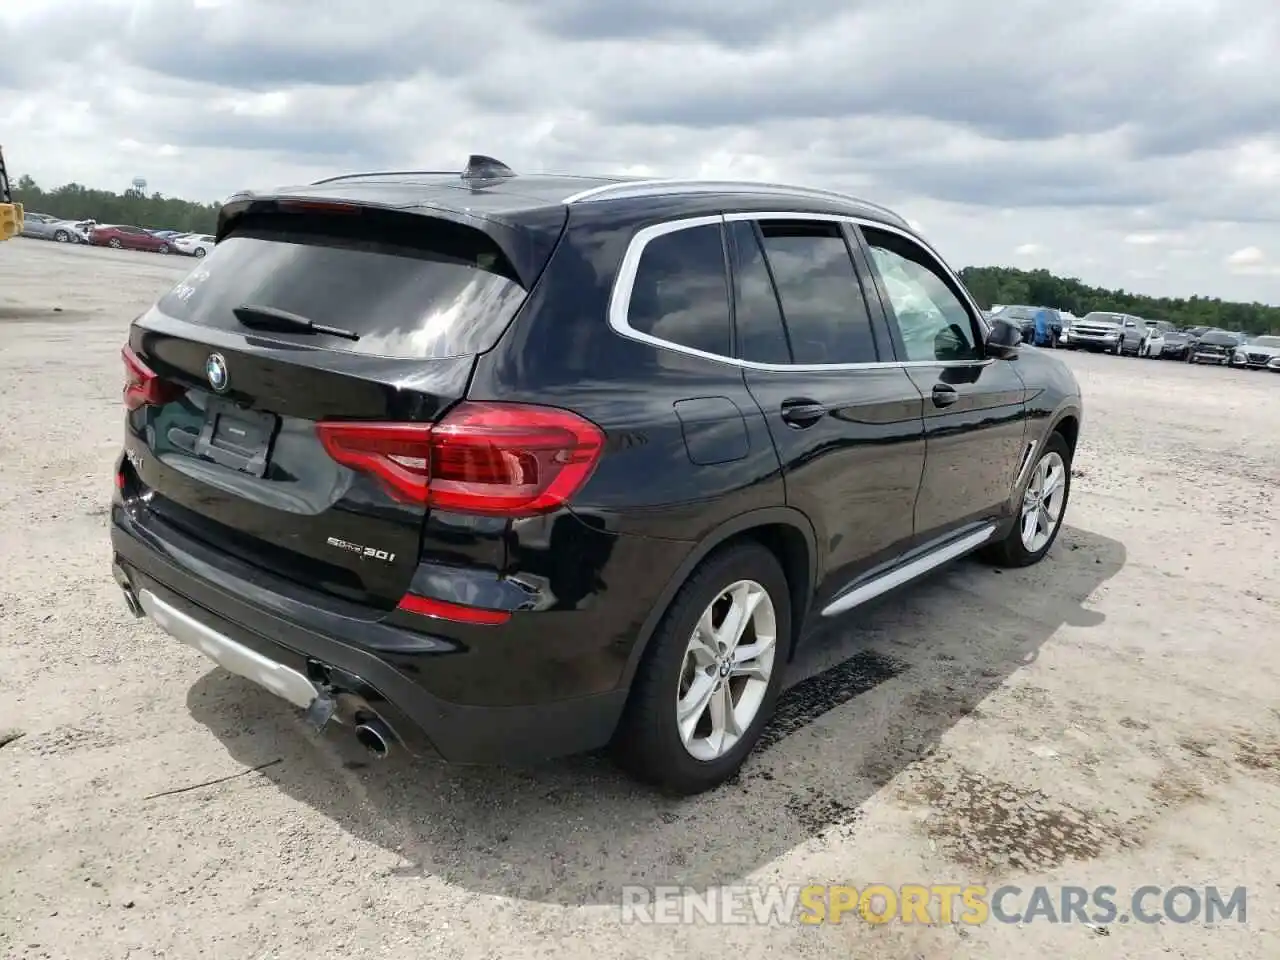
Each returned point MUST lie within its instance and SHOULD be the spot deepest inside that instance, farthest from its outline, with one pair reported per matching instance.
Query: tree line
(1040, 288)
(989, 285)
(74, 201)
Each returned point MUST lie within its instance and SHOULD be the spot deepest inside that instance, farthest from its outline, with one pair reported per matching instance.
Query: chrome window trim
(624, 284)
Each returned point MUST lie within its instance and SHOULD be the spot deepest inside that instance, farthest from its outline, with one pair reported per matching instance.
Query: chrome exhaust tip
(375, 736)
(131, 601)
(130, 595)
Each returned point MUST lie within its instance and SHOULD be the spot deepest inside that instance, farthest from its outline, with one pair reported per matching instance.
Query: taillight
(395, 453)
(500, 459)
(142, 386)
(510, 458)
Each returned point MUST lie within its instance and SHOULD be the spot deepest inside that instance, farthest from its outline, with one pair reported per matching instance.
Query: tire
(115, 243)
(164, 248)
(648, 742)
(199, 251)
(1013, 550)
(61, 236)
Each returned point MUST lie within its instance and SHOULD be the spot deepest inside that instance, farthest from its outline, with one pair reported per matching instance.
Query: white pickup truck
(1106, 332)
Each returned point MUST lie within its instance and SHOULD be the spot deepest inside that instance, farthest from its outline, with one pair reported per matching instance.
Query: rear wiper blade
(269, 318)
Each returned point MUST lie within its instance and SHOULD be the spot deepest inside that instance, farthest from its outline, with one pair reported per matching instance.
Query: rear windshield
(426, 291)
(1265, 342)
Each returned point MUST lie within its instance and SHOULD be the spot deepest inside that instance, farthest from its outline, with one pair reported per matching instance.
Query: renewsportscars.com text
(932, 904)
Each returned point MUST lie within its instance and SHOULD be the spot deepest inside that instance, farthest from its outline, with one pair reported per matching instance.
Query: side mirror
(1003, 340)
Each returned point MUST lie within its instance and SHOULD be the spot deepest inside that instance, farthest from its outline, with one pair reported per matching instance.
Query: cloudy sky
(1132, 143)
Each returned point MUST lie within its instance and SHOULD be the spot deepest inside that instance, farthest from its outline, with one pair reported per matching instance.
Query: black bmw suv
(497, 468)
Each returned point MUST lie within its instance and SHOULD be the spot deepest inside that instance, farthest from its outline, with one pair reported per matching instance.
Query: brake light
(499, 459)
(142, 386)
(318, 206)
(457, 612)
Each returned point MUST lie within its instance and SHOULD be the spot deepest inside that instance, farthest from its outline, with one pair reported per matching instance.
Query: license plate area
(237, 438)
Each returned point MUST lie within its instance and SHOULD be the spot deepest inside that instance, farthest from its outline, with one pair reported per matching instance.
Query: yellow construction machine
(10, 212)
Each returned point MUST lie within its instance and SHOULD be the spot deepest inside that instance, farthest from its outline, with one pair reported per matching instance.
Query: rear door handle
(944, 395)
(801, 412)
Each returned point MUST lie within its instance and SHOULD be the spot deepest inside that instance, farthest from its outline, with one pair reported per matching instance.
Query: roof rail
(387, 173)
(639, 188)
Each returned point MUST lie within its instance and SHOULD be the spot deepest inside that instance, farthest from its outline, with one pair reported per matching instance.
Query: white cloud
(1150, 239)
(1252, 262)
(1246, 257)
(1028, 250)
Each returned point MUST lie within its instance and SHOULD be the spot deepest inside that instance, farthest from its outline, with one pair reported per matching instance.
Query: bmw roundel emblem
(215, 368)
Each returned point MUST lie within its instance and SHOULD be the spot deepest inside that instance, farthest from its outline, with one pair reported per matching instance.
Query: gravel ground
(1106, 718)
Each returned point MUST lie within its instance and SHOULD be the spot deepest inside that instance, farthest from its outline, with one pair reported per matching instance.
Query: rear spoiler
(527, 250)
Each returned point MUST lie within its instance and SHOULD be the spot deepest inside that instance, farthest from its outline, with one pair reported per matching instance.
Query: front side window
(931, 317)
(681, 290)
(823, 306)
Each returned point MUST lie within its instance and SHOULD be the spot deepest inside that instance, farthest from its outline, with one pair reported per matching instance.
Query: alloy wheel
(726, 670)
(1043, 501)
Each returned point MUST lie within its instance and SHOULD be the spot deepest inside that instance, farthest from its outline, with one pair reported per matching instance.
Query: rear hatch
(299, 449)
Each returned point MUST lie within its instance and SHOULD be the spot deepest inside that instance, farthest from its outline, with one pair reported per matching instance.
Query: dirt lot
(1108, 718)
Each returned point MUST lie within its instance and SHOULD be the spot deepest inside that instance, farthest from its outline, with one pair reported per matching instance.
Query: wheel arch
(1065, 419)
(1067, 423)
(784, 531)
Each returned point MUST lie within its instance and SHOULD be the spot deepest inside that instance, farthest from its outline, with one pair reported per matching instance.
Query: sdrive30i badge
(364, 551)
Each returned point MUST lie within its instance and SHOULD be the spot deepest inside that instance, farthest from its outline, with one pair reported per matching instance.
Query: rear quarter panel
(561, 351)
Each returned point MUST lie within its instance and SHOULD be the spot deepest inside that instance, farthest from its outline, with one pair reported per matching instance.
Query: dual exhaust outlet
(352, 710)
(375, 736)
(371, 732)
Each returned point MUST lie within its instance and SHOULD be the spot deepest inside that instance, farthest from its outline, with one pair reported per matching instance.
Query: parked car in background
(1213, 346)
(41, 226)
(1024, 318)
(1257, 352)
(1108, 332)
(128, 238)
(409, 485)
(1152, 344)
(1175, 345)
(165, 234)
(194, 244)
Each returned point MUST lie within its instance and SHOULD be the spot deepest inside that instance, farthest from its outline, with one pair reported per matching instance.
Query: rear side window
(822, 301)
(423, 291)
(756, 314)
(681, 291)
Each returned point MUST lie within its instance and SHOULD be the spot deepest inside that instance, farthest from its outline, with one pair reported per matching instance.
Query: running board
(907, 572)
